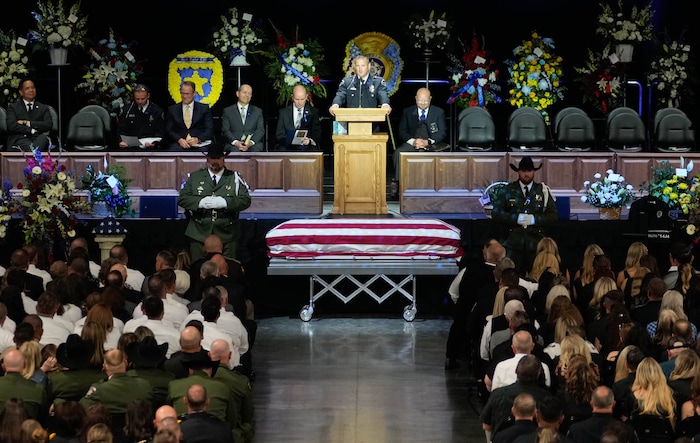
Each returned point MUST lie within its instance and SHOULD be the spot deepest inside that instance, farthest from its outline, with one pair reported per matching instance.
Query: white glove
(205, 203)
(218, 202)
(526, 220)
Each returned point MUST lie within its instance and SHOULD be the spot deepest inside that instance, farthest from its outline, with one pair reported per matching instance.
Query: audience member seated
(190, 343)
(550, 414)
(523, 420)
(590, 430)
(198, 425)
(163, 330)
(504, 373)
(134, 277)
(174, 312)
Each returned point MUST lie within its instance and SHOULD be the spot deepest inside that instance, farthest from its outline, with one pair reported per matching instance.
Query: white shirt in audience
(45, 276)
(6, 340)
(55, 331)
(71, 313)
(29, 304)
(173, 311)
(112, 336)
(9, 325)
(231, 327)
(134, 278)
(163, 331)
(504, 374)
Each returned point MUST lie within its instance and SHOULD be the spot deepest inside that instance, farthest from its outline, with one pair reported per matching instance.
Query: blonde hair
(685, 273)
(547, 244)
(687, 364)
(587, 269)
(673, 300)
(572, 345)
(33, 432)
(565, 322)
(601, 287)
(499, 303)
(652, 392)
(544, 261)
(554, 292)
(621, 370)
(635, 252)
(664, 326)
(99, 433)
(31, 350)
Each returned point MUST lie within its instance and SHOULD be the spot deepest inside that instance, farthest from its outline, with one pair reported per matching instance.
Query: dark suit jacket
(285, 127)
(21, 135)
(202, 125)
(435, 123)
(204, 427)
(233, 128)
(142, 124)
(374, 92)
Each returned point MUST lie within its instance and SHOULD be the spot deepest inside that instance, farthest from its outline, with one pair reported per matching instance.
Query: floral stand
(59, 56)
(239, 59)
(609, 213)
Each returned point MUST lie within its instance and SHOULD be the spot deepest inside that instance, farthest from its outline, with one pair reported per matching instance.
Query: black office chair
(3, 128)
(625, 131)
(476, 130)
(107, 120)
(527, 130)
(53, 133)
(673, 131)
(86, 132)
(574, 130)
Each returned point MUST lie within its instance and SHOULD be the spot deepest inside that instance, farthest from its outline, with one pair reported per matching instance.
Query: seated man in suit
(242, 124)
(422, 128)
(188, 123)
(142, 118)
(299, 115)
(28, 121)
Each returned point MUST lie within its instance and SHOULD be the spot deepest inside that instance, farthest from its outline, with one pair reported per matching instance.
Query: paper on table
(202, 144)
(144, 140)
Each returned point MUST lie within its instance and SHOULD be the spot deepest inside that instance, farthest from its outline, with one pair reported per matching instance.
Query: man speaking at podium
(361, 90)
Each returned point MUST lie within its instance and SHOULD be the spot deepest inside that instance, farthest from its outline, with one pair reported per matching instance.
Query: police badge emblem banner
(202, 68)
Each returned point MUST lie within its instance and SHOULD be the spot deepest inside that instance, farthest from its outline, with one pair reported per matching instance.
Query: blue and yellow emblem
(203, 69)
(384, 57)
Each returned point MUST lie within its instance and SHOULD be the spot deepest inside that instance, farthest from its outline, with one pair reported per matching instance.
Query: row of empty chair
(574, 130)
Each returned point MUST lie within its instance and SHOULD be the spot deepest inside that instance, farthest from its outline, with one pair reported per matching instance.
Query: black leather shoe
(452, 364)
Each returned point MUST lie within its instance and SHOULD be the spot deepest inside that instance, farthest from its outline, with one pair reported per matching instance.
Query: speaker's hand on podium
(332, 109)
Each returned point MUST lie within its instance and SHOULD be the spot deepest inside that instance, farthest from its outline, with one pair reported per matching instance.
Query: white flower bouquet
(615, 27)
(13, 67)
(59, 27)
(237, 35)
(670, 70)
(610, 191)
(431, 33)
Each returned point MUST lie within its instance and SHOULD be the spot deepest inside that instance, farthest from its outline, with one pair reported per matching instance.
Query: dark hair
(550, 409)
(152, 305)
(528, 368)
(69, 418)
(196, 324)
(510, 277)
(23, 81)
(139, 423)
(210, 308)
(634, 357)
(13, 414)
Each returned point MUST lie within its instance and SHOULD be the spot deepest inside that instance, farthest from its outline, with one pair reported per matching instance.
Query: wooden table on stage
(360, 163)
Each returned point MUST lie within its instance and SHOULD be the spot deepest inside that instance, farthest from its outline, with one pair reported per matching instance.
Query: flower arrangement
(670, 70)
(13, 66)
(6, 208)
(59, 27)
(600, 80)
(535, 75)
(295, 62)
(610, 191)
(109, 187)
(614, 27)
(237, 36)
(111, 75)
(430, 34)
(675, 186)
(473, 78)
(49, 204)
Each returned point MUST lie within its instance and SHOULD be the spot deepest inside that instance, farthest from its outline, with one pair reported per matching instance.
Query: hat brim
(201, 364)
(80, 359)
(516, 168)
(146, 356)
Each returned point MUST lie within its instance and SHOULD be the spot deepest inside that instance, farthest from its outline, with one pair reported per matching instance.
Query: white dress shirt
(55, 331)
(504, 374)
(163, 331)
(45, 276)
(173, 312)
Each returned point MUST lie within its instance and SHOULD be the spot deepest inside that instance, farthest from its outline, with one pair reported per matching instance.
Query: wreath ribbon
(304, 79)
(473, 77)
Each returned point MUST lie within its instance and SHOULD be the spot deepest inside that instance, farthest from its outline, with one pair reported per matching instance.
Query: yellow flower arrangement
(679, 191)
(535, 75)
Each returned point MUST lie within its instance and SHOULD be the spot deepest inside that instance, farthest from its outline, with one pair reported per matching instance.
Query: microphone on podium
(360, 82)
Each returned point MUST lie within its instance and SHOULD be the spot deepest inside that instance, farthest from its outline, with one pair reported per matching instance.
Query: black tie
(29, 107)
(213, 177)
(525, 190)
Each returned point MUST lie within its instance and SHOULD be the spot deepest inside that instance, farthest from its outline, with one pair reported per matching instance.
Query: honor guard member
(524, 208)
(142, 119)
(118, 390)
(213, 197)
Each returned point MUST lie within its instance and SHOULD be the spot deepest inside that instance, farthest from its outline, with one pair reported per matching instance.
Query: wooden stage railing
(452, 182)
(287, 182)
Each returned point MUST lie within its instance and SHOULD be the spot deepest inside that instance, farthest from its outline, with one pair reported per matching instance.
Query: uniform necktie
(29, 107)
(299, 117)
(243, 114)
(525, 190)
(188, 116)
(213, 177)
(422, 115)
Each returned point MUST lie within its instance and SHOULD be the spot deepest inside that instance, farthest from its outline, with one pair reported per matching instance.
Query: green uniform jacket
(117, 392)
(159, 379)
(512, 202)
(221, 401)
(73, 384)
(222, 222)
(13, 385)
(243, 397)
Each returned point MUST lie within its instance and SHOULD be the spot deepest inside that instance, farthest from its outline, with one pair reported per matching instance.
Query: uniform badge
(538, 197)
(371, 89)
(228, 187)
(433, 128)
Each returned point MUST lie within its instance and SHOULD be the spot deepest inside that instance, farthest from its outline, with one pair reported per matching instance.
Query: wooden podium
(360, 163)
